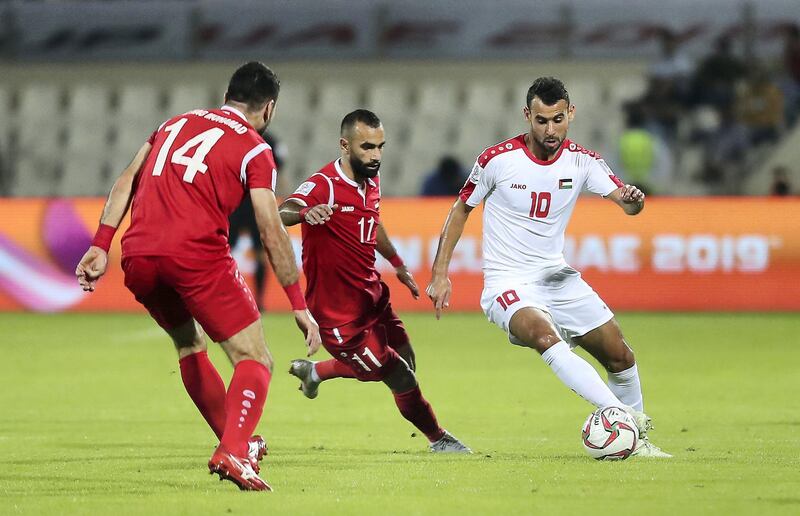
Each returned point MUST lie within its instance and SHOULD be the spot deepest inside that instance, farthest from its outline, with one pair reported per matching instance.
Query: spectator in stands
(716, 77)
(673, 66)
(662, 107)
(790, 83)
(642, 157)
(446, 180)
(780, 182)
(759, 106)
(725, 153)
(244, 220)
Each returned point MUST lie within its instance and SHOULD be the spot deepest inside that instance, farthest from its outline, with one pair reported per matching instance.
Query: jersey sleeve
(258, 168)
(478, 185)
(317, 189)
(600, 179)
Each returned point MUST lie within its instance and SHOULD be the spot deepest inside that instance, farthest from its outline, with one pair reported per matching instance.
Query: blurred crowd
(733, 107)
(729, 107)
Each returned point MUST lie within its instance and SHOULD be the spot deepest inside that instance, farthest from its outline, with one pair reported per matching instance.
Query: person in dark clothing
(244, 220)
(446, 180)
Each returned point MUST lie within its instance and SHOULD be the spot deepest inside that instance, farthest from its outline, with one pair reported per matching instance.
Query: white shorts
(574, 307)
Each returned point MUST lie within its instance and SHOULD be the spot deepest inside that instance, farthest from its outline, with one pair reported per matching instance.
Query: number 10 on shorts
(507, 298)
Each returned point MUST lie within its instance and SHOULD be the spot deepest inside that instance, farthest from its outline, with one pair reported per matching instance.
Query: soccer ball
(609, 433)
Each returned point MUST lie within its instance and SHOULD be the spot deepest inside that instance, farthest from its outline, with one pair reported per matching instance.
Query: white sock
(314, 376)
(626, 386)
(578, 375)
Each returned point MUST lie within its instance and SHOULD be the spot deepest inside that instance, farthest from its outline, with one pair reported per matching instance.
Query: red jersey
(339, 256)
(200, 167)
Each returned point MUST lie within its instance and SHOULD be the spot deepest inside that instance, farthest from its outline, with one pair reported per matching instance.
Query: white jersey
(528, 205)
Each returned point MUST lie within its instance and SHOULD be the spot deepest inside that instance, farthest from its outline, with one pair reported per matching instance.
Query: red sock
(332, 368)
(206, 388)
(418, 411)
(244, 404)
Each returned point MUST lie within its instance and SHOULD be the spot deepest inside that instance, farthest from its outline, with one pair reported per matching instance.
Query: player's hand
(630, 194)
(305, 321)
(407, 279)
(91, 267)
(439, 291)
(318, 214)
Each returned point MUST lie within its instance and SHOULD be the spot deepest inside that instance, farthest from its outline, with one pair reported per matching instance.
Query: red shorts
(176, 289)
(369, 352)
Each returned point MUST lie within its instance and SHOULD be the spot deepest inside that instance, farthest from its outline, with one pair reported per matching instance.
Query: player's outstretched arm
(629, 198)
(281, 256)
(94, 262)
(440, 288)
(293, 213)
(387, 250)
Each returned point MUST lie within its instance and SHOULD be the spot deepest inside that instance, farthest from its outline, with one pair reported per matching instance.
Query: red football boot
(236, 469)
(256, 449)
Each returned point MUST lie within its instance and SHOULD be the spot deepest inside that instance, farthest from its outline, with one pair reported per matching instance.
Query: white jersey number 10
(540, 204)
(194, 164)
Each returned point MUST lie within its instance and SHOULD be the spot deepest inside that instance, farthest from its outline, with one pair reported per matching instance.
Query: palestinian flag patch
(565, 184)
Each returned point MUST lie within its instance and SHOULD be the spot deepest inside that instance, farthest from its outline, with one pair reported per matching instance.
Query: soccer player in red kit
(339, 209)
(184, 182)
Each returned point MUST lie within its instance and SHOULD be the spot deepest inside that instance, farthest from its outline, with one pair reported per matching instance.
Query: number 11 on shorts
(367, 353)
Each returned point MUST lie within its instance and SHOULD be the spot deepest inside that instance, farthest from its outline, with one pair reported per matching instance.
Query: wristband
(295, 296)
(303, 212)
(104, 236)
(396, 261)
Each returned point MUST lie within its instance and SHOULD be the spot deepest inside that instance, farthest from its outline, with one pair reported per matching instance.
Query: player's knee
(622, 360)
(406, 352)
(540, 341)
(401, 379)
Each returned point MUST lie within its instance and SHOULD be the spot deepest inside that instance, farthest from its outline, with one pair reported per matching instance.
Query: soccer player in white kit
(530, 184)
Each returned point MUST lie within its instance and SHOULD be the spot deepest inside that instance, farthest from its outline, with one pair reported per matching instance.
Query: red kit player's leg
(206, 388)
(332, 368)
(202, 381)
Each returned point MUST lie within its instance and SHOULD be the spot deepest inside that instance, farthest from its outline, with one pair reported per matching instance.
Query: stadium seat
(87, 119)
(473, 134)
(388, 99)
(139, 103)
(87, 103)
(626, 89)
(34, 176)
(437, 99)
(82, 176)
(335, 99)
(485, 99)
(185, 97)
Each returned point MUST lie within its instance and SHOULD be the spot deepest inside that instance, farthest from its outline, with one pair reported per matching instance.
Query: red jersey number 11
(194, 164)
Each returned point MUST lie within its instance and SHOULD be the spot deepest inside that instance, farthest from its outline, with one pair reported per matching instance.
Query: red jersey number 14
(194, 164)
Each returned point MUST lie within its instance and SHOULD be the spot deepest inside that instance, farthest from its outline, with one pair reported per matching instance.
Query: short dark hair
(549, 89)
(253, 84)
(365, 116)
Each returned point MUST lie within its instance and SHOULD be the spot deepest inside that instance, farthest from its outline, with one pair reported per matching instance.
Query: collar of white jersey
(234, 111)
(338, 166)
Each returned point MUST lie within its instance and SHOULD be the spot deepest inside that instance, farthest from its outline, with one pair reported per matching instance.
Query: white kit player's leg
(578, 375)
(626, 386)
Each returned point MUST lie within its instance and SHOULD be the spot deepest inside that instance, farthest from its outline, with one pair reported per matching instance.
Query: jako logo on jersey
(347, 208)
(516, 186)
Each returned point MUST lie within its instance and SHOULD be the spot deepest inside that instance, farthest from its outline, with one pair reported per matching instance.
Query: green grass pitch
(95, 421)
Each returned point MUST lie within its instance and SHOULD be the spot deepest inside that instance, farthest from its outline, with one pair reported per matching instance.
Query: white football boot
(302, 369)
(644, 448)
(449, 444)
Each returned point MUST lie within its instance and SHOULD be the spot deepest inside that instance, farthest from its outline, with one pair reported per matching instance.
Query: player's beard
(360, 169)
(551, 147)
